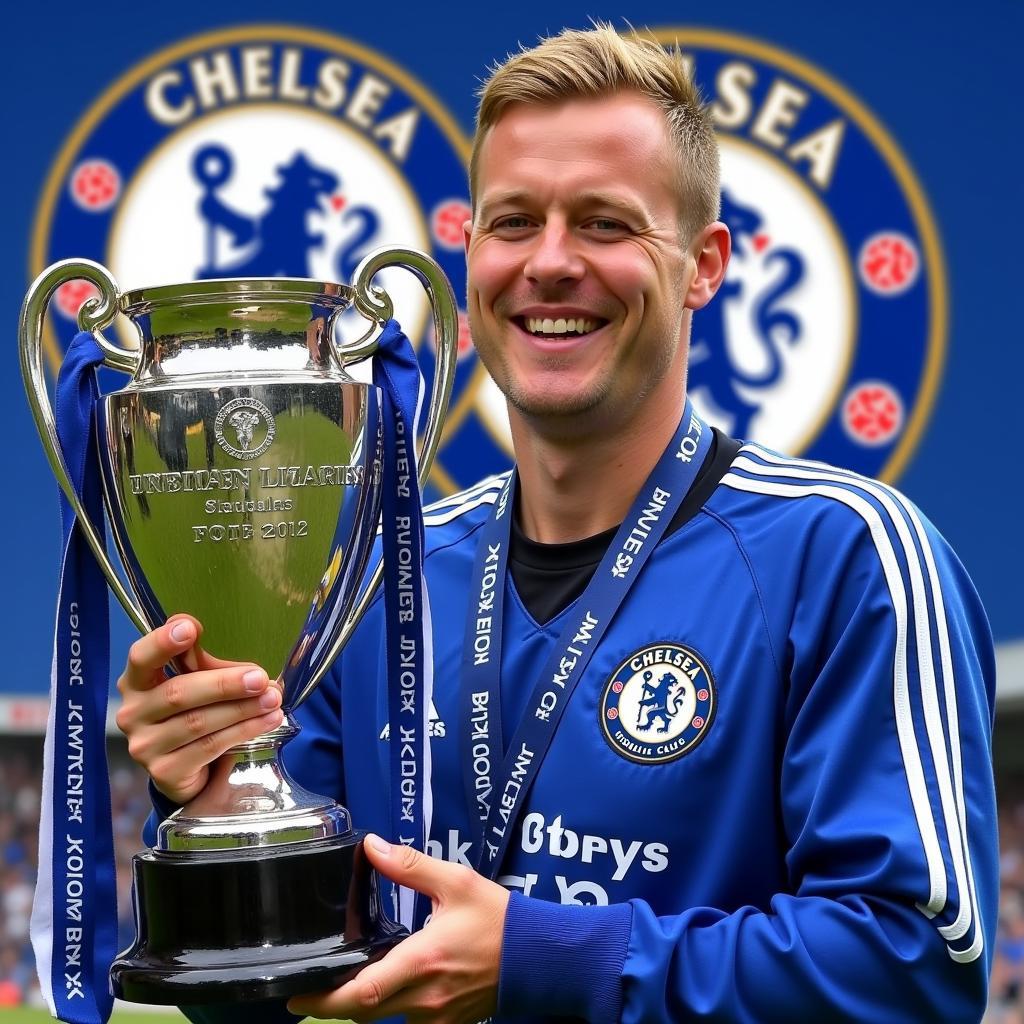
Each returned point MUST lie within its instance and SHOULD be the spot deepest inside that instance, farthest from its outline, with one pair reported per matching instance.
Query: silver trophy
(241, 473)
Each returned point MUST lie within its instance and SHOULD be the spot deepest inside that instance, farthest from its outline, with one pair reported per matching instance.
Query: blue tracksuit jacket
(822, 848)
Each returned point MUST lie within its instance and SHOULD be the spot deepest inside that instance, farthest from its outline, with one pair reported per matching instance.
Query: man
(743, 766)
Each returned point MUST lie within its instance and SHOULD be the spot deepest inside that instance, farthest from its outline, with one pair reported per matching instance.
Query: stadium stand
(20, 774)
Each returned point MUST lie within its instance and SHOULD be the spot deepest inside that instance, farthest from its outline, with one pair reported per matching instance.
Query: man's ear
(467, 233)
(710, 250)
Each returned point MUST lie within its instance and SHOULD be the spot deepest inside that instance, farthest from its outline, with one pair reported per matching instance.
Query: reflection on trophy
(242, 481)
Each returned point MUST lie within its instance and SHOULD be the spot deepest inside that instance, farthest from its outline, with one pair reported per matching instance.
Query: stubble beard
(532, 403)
(564, 411)
(535, 405)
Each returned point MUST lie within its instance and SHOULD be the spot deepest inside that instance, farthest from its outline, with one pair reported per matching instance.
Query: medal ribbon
(406, 607)
(74, 913)
(495, 800)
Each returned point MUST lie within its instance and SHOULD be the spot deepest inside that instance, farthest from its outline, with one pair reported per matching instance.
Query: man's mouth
(547, 327)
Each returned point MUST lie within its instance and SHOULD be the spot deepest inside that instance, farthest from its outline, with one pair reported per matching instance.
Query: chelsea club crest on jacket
(769, 797)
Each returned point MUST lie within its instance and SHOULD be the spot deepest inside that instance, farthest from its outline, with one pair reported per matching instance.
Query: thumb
(408, 867)
(197, 657)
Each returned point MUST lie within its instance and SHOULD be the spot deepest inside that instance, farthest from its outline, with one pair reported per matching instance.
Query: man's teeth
(545, 325)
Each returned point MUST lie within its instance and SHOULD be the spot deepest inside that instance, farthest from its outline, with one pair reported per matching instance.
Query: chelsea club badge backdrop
(866, 319)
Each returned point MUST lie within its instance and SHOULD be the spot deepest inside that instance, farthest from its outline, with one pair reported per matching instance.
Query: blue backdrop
(942, 80)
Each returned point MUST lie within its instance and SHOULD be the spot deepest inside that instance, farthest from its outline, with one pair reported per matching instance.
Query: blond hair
(600, 62)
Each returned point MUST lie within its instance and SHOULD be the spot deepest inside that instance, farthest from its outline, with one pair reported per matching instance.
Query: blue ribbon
(406, 608)
(74, 916)
(496, 781)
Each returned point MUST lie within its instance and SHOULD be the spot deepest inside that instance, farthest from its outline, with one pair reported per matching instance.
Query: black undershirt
(549, 577)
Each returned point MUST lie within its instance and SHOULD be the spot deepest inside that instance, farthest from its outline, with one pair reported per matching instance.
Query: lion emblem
(659, 700)
(277, 242)
(713, 367)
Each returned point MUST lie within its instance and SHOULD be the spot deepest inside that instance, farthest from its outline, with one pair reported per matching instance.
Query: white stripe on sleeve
(821, 480)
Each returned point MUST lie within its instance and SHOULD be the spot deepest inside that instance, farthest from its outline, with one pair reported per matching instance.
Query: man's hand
(448, 972)
(176, 726)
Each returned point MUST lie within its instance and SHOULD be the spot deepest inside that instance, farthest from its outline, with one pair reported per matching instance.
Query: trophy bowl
(242, 481)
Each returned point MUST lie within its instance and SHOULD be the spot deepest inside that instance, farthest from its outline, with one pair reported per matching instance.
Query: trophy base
(242, 925)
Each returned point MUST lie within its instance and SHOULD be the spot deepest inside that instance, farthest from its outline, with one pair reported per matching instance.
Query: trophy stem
(256, 889)
(251, 801)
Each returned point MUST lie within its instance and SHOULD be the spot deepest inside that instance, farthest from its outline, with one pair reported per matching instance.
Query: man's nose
(554, 256)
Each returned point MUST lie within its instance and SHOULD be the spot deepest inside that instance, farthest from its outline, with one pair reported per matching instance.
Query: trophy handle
(375, 304)
(95, 314)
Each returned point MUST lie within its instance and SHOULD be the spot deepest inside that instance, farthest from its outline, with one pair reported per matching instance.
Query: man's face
(577, 273)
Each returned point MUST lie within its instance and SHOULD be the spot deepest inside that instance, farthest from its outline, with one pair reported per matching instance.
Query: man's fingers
(177, 725)
(200, 658)
(169, 769)
(148, 655)
(402, 864)
(178, 638)
(448, 971)
(377, 991)
(150, 741)
(214, 686)
(180, 694)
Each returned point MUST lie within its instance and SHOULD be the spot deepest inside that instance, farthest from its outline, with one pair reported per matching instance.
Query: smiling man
(566, 232)
(712, 724)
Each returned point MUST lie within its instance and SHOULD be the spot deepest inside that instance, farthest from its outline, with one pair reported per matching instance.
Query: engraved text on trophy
(244, 480)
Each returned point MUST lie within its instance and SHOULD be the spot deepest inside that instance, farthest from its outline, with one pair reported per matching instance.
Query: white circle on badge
(159, 235)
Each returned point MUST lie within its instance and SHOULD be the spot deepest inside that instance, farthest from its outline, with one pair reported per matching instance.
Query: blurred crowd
(20, 775)
(21, 770)
(1006, 1004)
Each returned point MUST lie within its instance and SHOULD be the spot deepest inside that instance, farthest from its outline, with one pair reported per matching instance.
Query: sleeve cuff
(563, 960)
(163, 808)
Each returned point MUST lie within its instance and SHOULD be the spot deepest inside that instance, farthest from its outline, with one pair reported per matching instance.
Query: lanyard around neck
(496, 782)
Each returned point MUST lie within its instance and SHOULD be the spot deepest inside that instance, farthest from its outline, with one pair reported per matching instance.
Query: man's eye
(511, 223)
(606, 225)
